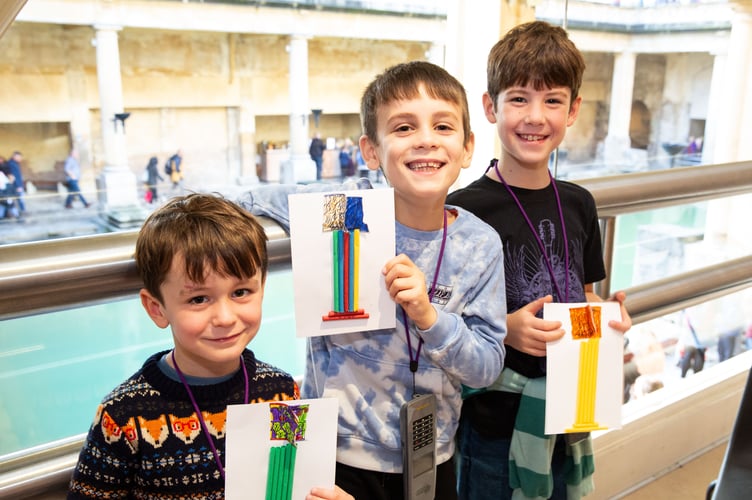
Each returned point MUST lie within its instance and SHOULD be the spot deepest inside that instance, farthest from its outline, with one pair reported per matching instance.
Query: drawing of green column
(288, 423)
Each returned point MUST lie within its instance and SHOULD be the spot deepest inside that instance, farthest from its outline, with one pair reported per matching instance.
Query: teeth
(532, 137)
(424, 165)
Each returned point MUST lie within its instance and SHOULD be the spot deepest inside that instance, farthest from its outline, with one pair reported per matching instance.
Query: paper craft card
(585, 369)
(340, 241)
(280, 450)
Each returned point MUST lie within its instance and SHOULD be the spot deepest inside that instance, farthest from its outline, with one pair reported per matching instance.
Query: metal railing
(60, 274)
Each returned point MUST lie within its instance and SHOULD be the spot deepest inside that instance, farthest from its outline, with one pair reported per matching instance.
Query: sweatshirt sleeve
(271, 200)
(467, 340)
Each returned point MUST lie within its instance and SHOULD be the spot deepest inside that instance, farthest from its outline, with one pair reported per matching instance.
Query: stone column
(472, 29)
(117, 184)
(80, 127)
(435, 54)
(726, 220)
(247, 139)
(300, 167)
(736, 99)
(717, 82)
(617, 143)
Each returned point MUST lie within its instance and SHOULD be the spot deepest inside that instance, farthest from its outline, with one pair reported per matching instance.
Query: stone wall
(198, 91)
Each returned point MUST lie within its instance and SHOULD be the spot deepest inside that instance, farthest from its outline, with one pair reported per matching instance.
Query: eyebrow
(443, 114)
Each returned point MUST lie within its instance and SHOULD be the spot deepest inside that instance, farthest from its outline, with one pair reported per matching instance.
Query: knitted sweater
(146, 440)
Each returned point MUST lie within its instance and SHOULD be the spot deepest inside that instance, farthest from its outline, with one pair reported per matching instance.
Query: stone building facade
(214, 80)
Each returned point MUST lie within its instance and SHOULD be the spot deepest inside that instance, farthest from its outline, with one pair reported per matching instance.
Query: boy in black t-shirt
(552, 251)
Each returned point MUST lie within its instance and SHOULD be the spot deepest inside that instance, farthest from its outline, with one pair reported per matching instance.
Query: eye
(198, 300)
(445, 127)
(403, 128)
(242, 292)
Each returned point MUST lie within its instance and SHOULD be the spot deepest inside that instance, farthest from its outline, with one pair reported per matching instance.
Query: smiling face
(531, 123)
(212, 322)
(421, 148)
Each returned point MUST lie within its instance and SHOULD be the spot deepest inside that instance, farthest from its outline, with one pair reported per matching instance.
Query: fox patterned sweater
(146, 440)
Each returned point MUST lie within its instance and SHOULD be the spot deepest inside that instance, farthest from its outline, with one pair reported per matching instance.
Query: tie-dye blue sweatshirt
(369, 372)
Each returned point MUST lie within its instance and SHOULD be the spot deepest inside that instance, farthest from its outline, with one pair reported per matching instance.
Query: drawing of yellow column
(586, 327)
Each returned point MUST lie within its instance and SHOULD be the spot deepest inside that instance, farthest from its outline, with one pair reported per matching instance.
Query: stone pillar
(300, 167)
(80, 127)
(117, 184)
(717, 82)
(247, 139)
(726, 221)
(736, 98)
(435, 54)
(617, 143)
(472, 29)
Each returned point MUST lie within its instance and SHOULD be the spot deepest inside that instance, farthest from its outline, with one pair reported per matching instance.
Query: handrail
(38, 469)
(58, 274)
(65, 273)
(53, 275)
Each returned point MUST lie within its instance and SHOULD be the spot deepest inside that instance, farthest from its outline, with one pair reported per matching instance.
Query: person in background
(316, 150)
(14, 166)
(552, 252)
(203, 263)
(748, 338)
(72, 170)
(7, 192)
(152, 179)
(346, 160)
(174, 168)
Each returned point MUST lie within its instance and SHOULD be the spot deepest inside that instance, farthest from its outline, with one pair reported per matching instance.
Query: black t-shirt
(526, 272)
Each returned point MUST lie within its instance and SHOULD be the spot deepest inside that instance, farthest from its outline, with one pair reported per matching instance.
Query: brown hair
(209, 232)
(535, 53)
(403, 81)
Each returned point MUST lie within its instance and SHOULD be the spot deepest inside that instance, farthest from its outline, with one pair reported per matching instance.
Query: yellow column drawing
(586, 327)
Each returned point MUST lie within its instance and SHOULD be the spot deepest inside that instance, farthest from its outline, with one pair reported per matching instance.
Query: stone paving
(47, 218)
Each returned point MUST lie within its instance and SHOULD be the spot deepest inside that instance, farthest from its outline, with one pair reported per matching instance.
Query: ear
(489, 108)
(153, 308)
(369, 152)
(467, 156)
(574, 110)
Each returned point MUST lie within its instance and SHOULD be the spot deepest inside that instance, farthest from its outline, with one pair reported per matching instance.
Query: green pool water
(55, 368)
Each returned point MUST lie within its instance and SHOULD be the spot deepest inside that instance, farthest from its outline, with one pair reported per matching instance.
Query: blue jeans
(319, 161)
(20, 200)
(73, 192)
(483, 466)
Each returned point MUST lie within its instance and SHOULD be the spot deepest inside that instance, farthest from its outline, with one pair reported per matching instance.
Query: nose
(427, 138)
(534, 114)
(224, 313)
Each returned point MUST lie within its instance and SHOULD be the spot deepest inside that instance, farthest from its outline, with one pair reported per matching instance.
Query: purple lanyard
(546, 258)
(431, 292)
(198, 411)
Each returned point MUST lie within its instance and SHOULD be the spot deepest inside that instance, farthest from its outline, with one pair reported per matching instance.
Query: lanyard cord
(431, 292)
(198, 411)
(560, 296)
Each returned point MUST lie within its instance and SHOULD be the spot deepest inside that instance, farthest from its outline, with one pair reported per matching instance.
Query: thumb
(537, 304)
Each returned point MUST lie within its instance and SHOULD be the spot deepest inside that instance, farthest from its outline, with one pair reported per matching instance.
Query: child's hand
(324, 494)
(626, 321)
(407, 287)
(528, 333)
